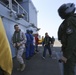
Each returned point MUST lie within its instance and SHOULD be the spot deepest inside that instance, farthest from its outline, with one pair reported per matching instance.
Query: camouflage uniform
(67, 36)
(19, 49)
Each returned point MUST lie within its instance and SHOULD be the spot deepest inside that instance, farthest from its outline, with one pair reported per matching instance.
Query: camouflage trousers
(19, 54)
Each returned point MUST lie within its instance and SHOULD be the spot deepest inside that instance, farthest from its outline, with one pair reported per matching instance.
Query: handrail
(18, 9)
(4, 4)
(24, 11)
(20, 6)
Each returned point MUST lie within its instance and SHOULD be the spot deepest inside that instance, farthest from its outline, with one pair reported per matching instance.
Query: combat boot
(22, 67)
(19, 68)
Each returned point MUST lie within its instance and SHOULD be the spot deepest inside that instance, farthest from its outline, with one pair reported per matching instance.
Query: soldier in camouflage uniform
(19, 41)
(67, 36)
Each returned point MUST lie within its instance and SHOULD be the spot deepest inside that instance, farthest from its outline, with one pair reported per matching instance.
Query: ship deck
(38, 66)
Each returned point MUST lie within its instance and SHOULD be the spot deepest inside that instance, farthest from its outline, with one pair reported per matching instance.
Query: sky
(47, 17)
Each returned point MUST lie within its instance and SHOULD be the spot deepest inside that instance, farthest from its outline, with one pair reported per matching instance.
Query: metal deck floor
(38, 66)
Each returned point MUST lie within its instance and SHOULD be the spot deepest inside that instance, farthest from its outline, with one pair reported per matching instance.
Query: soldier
(67, 36)
(19, 41)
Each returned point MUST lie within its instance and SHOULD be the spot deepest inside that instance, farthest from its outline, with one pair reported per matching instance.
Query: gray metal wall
(9, 23)
(32, 12)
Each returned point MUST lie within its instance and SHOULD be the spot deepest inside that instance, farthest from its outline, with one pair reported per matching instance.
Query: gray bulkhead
(9, 22)
(32, 12)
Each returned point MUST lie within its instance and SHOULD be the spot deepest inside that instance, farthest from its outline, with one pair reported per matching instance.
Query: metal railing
(7, 6)
(20, 10)
(16, 7)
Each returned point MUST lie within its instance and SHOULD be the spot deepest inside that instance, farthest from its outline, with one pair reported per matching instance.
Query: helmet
(66, 10)
(27, 31)
(31, 31)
